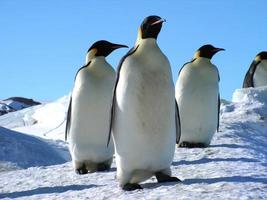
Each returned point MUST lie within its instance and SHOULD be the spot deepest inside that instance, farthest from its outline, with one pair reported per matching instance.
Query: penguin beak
(218, 49)
(117, 46)
(160, 21)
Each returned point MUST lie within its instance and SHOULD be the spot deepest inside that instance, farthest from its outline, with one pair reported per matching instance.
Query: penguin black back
(248, 80)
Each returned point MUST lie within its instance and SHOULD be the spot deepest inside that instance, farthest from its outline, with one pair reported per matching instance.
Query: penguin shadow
(46, 190)
(230, 179)
(112, 169)
(207, 160)
(154, 185)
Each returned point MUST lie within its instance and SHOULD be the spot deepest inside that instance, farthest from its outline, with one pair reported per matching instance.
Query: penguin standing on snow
(88, 116)
(257, 73)
(197, 95)
(144, 117)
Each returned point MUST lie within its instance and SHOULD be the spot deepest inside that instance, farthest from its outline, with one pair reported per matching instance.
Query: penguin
(144, 121)
(256, 76)
(198, 98)
(88, 115)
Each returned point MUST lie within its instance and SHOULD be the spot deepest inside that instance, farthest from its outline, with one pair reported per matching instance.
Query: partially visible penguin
(197, 95)
(88, 116)
(256, 76)
(144, 116)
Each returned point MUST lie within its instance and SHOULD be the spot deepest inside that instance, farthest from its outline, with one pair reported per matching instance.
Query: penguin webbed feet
(102, 167)
(162, 178)
(192, 145)
(131, 187)
(82, 170)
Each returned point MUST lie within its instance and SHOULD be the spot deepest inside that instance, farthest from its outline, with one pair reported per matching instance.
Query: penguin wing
(219, 106)
(112, 116)
(69, 108)
(248, 80)
(177, 123)
(67, 129)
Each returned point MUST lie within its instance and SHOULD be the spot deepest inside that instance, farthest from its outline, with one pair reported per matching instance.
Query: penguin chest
(260, 76)
(90, 115)
(145, 118)
(197, 97)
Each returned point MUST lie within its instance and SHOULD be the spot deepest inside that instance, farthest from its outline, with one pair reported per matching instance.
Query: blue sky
(43, 43)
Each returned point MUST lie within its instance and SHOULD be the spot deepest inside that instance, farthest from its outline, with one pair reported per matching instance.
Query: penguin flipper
(69, 108)
(112, 116)
(177, 123)
(68, 120)
(248, 80)
(219, 106)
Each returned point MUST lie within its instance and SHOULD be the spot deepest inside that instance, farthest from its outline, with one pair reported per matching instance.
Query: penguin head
(102, 48)
(150, 27)
(261, 56)
(207, 51)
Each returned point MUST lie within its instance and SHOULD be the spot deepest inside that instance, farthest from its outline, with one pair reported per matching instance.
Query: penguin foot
(102, 167)
(131, 187)
(192, 145)
(161, 178)
(81, 170)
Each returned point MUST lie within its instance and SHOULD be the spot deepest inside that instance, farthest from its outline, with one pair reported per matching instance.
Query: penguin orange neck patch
(257, 59)
(197, 54)
(139, 37)
(91, 54)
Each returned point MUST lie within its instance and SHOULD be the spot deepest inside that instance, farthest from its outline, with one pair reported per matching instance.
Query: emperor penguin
(256, 76)
(88, 115)
(198, 98)
(144, 117)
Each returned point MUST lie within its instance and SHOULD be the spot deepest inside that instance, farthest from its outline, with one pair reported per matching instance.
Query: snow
(26, 151)
(233, 167)
(16, 103)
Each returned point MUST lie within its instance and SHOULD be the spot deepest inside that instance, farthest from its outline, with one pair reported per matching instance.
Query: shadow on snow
(209, 160)
(233, 179)
(46, 190)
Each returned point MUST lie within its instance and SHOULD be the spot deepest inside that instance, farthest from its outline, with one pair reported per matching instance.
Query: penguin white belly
(260, 75)
(91, 104)
(197, 98)
(144, 128)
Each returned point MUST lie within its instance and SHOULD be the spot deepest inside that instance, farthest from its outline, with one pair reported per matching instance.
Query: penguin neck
(147, 43)
(94, 59)
(202, 60)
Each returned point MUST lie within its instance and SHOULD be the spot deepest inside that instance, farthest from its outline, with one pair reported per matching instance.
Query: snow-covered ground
(36, 164)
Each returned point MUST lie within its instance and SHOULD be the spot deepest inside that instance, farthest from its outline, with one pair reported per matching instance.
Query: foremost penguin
(145, 122)
(88, 116)
(198, 98)
(256, 76)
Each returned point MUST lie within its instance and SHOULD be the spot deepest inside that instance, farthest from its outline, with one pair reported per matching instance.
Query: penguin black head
(103, 48)
(261, 56)
(151, 27)
(207, 51)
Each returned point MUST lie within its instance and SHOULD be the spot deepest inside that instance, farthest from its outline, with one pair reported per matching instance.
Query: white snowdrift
(22, 151)
(46, 120)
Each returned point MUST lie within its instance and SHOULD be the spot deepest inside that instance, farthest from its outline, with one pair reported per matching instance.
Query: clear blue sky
(43, 43)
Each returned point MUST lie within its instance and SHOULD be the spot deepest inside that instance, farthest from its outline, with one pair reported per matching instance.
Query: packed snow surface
(233, 167)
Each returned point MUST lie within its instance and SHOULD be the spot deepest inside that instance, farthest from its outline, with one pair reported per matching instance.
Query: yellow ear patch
(197, 54)
(257, 59)
(139, 36)
(91, 54)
